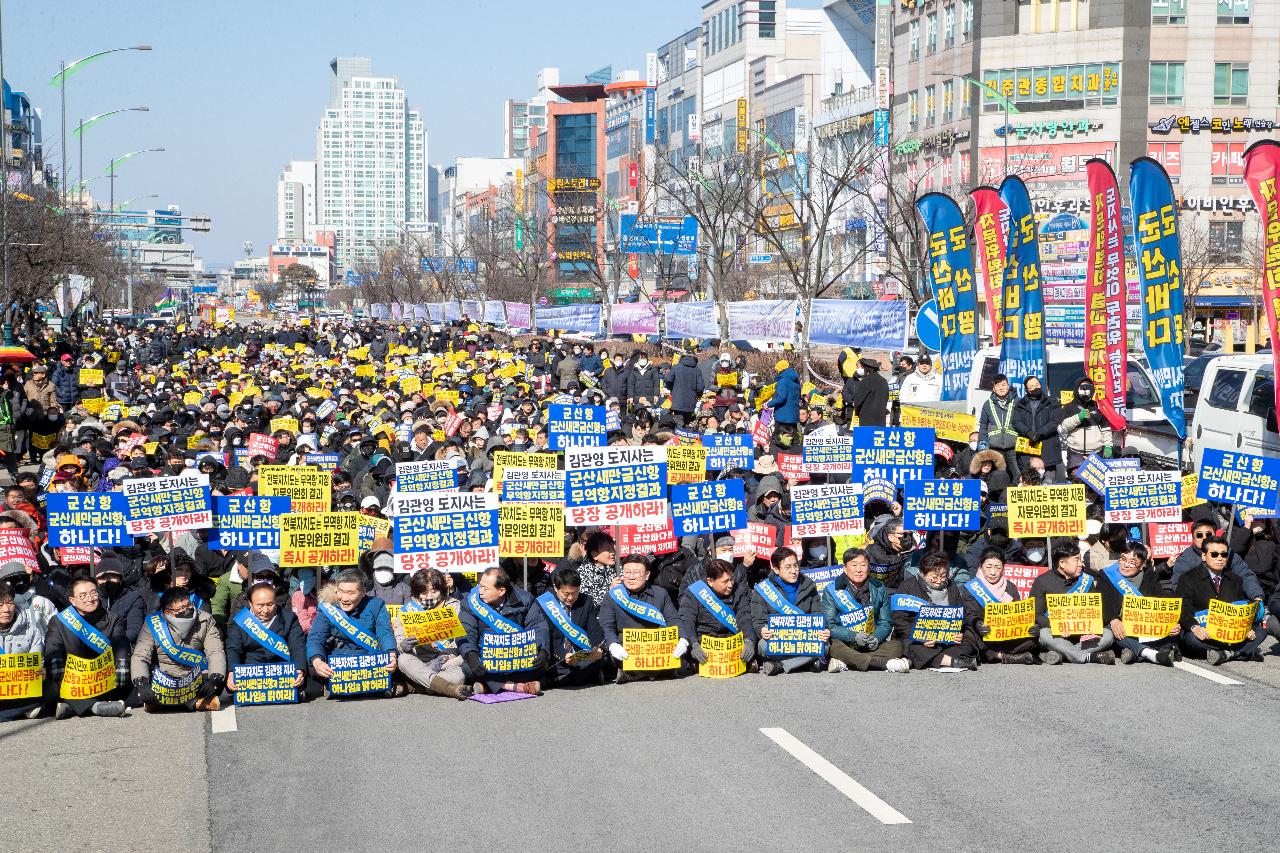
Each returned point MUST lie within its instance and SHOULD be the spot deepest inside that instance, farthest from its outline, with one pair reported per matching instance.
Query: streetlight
(111, 170)
(124, 205)
(1000, 99)
(87, 123)
(60, 80)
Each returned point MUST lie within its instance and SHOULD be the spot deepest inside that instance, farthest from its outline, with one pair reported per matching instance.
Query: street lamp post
(85, 124)
(111, 208)
(1004, 102)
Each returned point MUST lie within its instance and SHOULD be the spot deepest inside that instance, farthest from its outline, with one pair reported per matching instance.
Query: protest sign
(533, 486)
(892, 453)
(247, 522)
(431, 626)
(287, 424)
(502, 653)
(1042, 511)
(324, 461)
(946, 424)
(938, 625)
(262, 445)
(1133, 497)
(708, 507)
(795, 636)
(175, 690)
(1093, 471)
(264, 683)
(1010, 620)
(357, 674)
(657, 538)
(504, 459)
(310, 489)
(1023, 577)
(160, 504)
(1169, 540)
(724, 656)
(615, 485)
(21, 675)
(75, 555)
(86, 678)
(686, 464)
(16, 547)
(319, 539)
(1239, 478)
(91, 377)
(822, 575)
(530, 530)
(576, 426)
(1230, 623)
(1146, 617)
(649, 649)
(827, 454)
(1191, 485)
(371, 528)
(942, 505)
(1074, 614)
(826, 510)
(791, 467)
(426, 476)
(758, 538)
(729, 451)
(451, 531)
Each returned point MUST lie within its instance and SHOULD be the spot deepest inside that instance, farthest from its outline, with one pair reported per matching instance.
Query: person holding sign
(435, 666)
(1068, 578)
(1223, 631)
(21, 672)
(857, 608)
(577, 640)
(1144, 623)
(264, 633)
(86, 656)
(932, 596)
(1006, 633)
(504, 634)
(636, 604)
(786, 592)
(179, 644)
(716, 606)
(354, 625)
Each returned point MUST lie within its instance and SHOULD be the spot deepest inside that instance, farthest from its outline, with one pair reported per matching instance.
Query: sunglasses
(1215, 553)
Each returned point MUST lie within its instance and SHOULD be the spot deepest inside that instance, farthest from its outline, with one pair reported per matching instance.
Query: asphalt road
(1010, 758)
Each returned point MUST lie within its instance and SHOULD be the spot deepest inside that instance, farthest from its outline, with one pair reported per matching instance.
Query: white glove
(682, 646)
(618, 652)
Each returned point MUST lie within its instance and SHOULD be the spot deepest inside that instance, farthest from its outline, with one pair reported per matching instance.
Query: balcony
(849, 104)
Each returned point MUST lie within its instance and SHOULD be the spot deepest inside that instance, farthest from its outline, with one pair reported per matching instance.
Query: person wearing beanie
(378, 566)
(869, 396)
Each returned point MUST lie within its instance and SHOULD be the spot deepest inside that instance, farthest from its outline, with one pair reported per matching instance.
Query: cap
(66, 356)
(370, 502)
(12, 569)
(782, 365)
(724, 542)
(384, 561)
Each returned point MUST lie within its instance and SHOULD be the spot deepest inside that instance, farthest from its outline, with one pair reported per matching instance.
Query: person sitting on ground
(637, 603)
(434, 667)
(262, 632)
(1192, 557)
(857, 609)
(19, 635)
(178, 643)
(1213, 579)
(990, 586)
(84, 638)
(577, 640)
(1132, 575)
(786, 592)
(933, 586)
(497, 606)
(715, 606)
(353, 624)
(1068, 576)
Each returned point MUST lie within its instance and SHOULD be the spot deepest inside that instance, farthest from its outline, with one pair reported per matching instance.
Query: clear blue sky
(237, 88)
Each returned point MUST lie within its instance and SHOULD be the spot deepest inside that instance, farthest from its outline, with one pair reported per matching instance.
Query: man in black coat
(868, 394)
(242, 648)
(686, 384)
(1213, 579)
(1036, 416)
(572, 665)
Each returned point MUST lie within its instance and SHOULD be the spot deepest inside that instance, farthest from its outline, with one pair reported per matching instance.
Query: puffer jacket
(204, 637)
(23, 636)
(66, 386)
(786, 397)
(686, 384)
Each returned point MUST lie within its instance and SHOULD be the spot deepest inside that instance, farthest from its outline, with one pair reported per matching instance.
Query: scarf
(790, 590)
(1000, 589)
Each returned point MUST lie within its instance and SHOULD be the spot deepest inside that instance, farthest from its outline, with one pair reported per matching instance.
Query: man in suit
(1213, 579)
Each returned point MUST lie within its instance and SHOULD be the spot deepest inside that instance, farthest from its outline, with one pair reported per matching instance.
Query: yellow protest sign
(288, 424)
(1040, 511)
(946, 424)
(315, 393)
(410, 385)
(150, 447)
(91, 377)
(649, 649)
(1230, 623)
(319, 539)
(1146, 617)
(1066, 395)
(686, 464)
(365, 370)
(192, 398)
(359, 354)
(530, 530)
(724, 656)
(193, 441)
(1074, 614)
(1010, 620)
(431, 626)
(43, 442)
(94, 404)
(1189, 484)
(21, 676)
(85, 678)
(504, 459)
(309, 488)
(233, 367)
(1024, 446)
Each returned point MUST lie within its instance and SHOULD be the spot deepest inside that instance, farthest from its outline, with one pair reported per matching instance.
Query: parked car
(1238, 409)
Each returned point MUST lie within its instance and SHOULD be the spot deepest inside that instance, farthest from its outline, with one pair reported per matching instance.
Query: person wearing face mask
(933, 586)
(922, 385)
(889, 548)
(378, 564)
(1036, 417)
(1131, 575)
(990, 586)
(180, 644)
(577, 640)
(121, 593)
(785, 592)
(1067, 575)
(870, 396)
(85, 637)
(39, 609)
(431, 667)
(1084, 427)
(717, 604)
(857, 609)
(613, 381)
(995, 424)
(263, 633)
(18, 635)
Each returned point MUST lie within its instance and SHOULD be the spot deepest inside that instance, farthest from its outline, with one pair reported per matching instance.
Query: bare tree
(1203, 259)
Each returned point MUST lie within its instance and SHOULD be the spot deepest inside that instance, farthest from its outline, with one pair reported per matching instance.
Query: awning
(1223, 301)
(669, 294)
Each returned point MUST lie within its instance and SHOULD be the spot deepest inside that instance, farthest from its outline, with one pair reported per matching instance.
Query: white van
(1149, 432)
(1236, 409)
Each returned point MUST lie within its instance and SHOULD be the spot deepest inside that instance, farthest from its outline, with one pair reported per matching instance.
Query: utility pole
(4, 197)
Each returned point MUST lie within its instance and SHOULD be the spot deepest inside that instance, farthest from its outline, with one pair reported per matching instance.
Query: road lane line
(836, 777)
(1216, 678)
(224, 721)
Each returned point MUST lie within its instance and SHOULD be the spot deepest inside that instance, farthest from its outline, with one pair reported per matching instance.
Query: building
(25, 144)
(371, 162)
(313, 256)
(463, 185)
(519, 116)
(296, 211)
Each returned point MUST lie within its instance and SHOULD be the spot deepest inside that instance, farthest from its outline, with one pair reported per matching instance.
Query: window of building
(913, 109)
(1226, 163)
(966, 102)
(913, 30)
(1226, 239)
(1230, 83)
(930, 105)
(948, 101)
(931, 32)
(768, 17)
(949, 27)
(1165, 83)
(576, 146)
(1234, 12)
(966, 21)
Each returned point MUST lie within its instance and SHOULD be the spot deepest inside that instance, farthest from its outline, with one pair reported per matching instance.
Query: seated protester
(637, 603)
(498, 606)
(39, 609)
(262, 632)
(87, 632)
(19, 635)
(741, 570)
(577, 640)
(1067, 575)
(933, 586)
(180, 642)
(352, 624)
(889, 549)
(717, 605)
(1192, 558)
(1212, 579)
(990, 586)
(230, 584)
(379, 566)
(119, 597)
(433, 667)
(263, 575)
(857, 609)
(785, 592)
(1132, 574)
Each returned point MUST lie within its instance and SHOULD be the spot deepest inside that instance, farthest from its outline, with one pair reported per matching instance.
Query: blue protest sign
(583, 317)
(1093, 471)
(950, 272)
(356, 674)
(938, 624)
(426, 476)
(265, 683)
(87, 519)
(827, 454)
(897, 454)
(324, 461)
(1239, 478)
(514, 652)
(1134, 497)
(1022, 351)
(823, 575)
(729, 451)
(247, 522)
(942, 505)
(708, 507)
(576, 426)
(532, 486)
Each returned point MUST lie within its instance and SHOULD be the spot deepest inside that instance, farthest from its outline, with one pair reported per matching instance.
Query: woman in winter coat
(686, 384)
(1084, 428)
(188, 628)
(433, 667)
(990, 586)
(786, 396)
(768, 507)
(989, 467)
(933, 586)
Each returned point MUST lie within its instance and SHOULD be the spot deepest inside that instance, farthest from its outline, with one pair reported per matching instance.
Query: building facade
(296, 211)
(519, 117)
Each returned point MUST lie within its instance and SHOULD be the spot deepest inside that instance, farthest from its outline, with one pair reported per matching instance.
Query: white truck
(1236, 409)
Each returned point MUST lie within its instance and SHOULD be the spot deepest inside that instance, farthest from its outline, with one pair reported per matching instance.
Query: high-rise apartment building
(519, 116)
(371, 162)
(296, 214)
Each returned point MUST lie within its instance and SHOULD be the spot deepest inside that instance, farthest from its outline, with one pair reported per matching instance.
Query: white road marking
(1216, 678)
(224, 721)
(836, 777)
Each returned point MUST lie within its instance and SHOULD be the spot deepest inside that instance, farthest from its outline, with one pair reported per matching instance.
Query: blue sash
(196, 600)
(489, 616)
(264, 636)
(414, 607)
(714, 605)
(639, 609)
(849, 606)
(89, 635)
(178, 654)
(775, 599)
(1119, 581)
(354, 633)
(560, 618)
(902, 601)
(981, 592)
(1083, 584)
